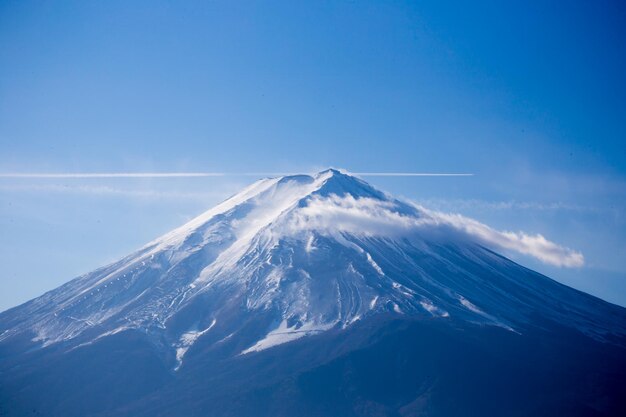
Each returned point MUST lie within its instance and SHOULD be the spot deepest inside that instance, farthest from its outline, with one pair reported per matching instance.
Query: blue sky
(529, 96)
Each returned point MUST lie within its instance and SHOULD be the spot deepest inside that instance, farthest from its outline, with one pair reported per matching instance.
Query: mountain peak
(333, 171)
(341, 184)
(268, 198)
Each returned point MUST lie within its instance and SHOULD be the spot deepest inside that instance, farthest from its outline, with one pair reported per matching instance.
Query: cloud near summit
(367, 216)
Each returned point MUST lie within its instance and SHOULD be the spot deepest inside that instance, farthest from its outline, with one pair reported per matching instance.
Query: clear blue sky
(529, 96)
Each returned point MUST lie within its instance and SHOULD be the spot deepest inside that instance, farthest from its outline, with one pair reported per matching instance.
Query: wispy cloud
(105, 190)
(536, 245)
(368, 216)
(476, 204)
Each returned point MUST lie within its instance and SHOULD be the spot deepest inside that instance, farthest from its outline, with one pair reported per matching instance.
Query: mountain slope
(322, 269)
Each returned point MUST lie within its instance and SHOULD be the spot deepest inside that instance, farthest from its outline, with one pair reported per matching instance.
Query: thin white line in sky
(412, 174)
(113, 175)
(213, 174)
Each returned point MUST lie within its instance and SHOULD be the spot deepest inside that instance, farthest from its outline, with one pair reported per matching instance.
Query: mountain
(313, 296)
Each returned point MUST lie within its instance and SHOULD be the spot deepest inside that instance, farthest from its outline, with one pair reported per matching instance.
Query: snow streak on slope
(295, 256)
(187, 339)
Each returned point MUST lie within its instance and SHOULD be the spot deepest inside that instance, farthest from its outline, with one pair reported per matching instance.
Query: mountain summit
(287, 283)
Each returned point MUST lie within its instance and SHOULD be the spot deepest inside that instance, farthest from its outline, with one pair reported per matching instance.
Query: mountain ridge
(324, 260)
(226, 234)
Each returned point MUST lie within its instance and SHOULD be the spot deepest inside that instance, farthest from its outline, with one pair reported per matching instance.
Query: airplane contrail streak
(212, 174)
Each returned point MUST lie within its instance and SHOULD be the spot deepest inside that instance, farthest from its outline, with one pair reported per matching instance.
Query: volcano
(314, 296)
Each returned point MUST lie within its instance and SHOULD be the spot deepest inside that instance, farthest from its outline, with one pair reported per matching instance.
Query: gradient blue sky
(529, 96)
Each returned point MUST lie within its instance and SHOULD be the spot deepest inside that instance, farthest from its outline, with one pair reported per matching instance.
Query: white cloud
(475, 204)
(536, 246)
(105, 190)
(366, 216)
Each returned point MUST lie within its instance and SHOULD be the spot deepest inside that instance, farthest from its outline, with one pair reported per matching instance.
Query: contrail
(113, 175)
(412, 174)
(214, 174)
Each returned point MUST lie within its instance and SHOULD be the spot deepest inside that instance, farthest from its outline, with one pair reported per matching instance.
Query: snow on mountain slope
(295, 256)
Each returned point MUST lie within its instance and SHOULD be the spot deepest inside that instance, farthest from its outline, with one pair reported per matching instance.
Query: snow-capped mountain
(296, 257)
